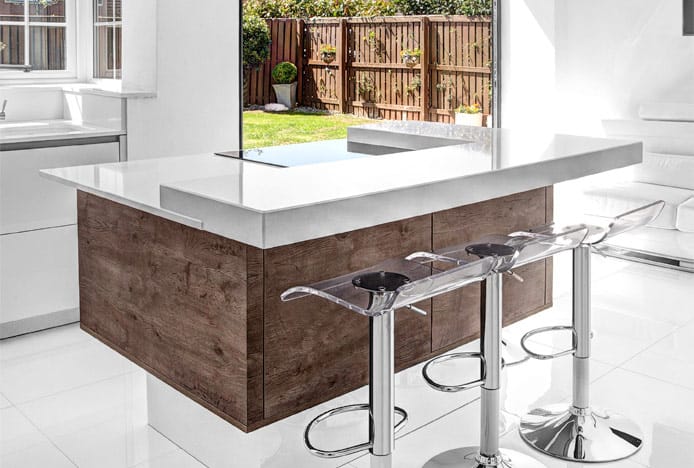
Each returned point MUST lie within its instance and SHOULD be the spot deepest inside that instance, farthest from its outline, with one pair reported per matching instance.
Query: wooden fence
(369, 79)
(48, 47)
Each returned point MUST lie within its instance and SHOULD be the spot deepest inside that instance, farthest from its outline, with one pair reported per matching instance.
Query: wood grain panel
(314, 350)
(175, 300)
(203, 313)
(455, 316)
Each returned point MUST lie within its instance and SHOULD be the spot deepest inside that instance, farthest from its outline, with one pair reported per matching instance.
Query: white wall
(139, 60)
(196, 77)
(612, 55)
(32, 102)
(527, 63)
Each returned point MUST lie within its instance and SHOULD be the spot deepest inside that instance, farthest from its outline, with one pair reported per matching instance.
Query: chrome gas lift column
(508, 252)
(376, 293)
(579, 432)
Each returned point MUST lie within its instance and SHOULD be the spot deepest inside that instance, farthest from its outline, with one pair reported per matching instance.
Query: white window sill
(90, 88)
(104, 88)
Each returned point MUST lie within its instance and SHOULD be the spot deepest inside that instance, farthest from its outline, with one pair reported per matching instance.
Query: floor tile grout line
(168, 453)
(45, 351)
(49, 439)
(652, 378)
(643, 374)
(78, 387)
(85, 338)
(684, 387)
(647, 348)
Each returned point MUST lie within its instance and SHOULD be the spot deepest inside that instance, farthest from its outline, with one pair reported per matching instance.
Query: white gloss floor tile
(47, 341)
(660, 364)
(101, 425)
(17, 432)
(663, 411)
(43, 455)
(649, 292)
(281, 444)
(617, 337)
(35, 375)
(175, 459)
(67, 400)
(655, 402)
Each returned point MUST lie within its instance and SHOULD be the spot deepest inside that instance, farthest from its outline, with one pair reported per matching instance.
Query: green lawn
(262, 129)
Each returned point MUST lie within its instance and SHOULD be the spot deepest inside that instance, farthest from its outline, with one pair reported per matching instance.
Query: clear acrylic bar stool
(509, 252)
(579, 432)
(377, 292)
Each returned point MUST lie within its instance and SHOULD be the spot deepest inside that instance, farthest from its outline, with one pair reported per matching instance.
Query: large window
(34, 35)
(107, 39)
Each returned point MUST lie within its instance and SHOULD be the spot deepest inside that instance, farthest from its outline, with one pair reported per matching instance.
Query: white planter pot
(286, 94)
(471, 120)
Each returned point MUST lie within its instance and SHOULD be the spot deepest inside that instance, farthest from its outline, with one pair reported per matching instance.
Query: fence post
(424, 70)
(342, 67)
(300, 57)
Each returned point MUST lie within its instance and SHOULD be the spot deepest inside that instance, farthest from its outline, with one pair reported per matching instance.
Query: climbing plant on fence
(368, 76)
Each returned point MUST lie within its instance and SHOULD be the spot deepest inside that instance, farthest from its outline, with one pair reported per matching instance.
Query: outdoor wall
(196, 108)
(613, 55)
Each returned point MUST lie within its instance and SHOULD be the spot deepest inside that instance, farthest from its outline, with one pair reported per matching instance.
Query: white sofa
(667, 173)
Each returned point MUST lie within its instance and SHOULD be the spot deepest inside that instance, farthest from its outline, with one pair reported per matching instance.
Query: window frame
(71, 48)
(114, 24)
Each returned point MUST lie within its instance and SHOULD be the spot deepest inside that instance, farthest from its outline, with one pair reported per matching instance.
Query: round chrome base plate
(467, 457)
(580, 435)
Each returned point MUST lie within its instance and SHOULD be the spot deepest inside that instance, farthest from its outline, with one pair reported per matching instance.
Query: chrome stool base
(580, 435)
(469, 457)
(354, 448)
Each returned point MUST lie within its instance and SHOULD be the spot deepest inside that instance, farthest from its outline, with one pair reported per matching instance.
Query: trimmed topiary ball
(284, 73)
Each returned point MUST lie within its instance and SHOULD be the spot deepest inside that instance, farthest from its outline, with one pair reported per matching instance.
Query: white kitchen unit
(38, 233)
(27, 200)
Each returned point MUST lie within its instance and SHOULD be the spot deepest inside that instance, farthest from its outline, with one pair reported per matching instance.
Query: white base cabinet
(38, 277)
(29, 201)
(38, 237)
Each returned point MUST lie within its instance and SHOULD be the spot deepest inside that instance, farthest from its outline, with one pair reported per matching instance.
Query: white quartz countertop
(267, 206)
(50, 130)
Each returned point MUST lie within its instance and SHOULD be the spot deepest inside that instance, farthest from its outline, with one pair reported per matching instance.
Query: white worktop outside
(267, 206)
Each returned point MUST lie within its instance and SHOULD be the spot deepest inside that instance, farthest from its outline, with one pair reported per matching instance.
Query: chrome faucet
(2, 112)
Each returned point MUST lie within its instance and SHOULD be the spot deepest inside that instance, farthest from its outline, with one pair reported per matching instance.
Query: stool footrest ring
(537, 331)
(454, 388)
(519, 360)
(347, 450)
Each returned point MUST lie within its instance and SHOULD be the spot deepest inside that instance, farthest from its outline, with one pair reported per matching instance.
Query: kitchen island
(182, 260)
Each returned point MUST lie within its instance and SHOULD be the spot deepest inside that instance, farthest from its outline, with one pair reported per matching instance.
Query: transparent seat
(399, 283)
(376, 292)
(579, 432)
(601, 229)
(513, 250)
(507, 251)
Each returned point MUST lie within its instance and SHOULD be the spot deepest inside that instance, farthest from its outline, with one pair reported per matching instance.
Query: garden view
(313, 68)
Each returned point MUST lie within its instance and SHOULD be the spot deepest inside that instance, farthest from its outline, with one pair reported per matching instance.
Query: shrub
(323, 8)
(444, 7)
(284, 73)
(256, 42)
(332, 8)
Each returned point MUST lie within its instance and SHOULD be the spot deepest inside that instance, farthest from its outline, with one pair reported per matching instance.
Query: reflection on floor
(66, 400)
